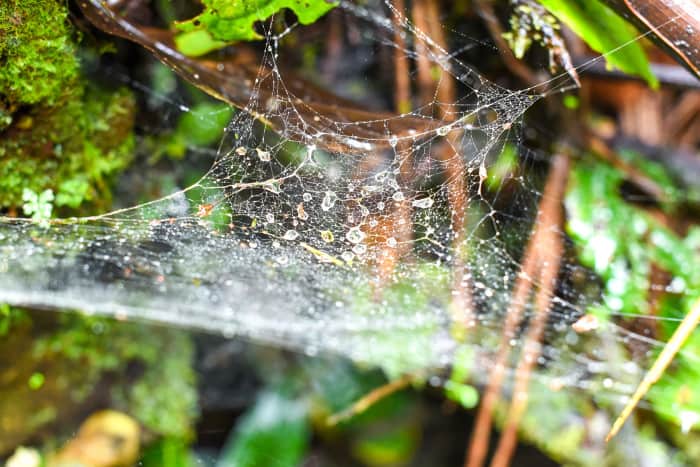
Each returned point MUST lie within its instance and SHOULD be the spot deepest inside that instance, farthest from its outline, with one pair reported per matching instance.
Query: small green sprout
(39, 206)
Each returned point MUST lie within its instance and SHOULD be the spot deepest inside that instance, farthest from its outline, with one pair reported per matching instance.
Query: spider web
(339, 236)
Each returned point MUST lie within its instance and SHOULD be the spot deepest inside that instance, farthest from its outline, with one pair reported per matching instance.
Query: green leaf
(72, 192)
(38, 206)
(605, 32)
(226, 21)
(274, 420)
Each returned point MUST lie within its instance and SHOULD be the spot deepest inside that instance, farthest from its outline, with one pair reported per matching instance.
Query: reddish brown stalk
(402, 77)
(478, 446)
(551, 247)
(540, 252)
(426, 83)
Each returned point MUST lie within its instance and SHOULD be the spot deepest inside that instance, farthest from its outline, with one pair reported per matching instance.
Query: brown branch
(674, 25)
(550, 244)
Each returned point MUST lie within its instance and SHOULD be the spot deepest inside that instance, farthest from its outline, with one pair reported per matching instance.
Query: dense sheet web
(343, 236)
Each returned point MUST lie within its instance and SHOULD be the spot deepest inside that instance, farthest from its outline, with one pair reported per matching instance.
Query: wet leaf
(225, 21)
(274, 420)
(604, 32)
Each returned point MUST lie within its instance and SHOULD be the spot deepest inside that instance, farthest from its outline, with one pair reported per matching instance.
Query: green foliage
(60, 133)
(226, 21)
(10, 316)
(170, 452)
(37, 52)
(621, 242)
(274, 420)
(163, 398)
(72, 149)
(456, 388)
(604, 32)
(202, 126)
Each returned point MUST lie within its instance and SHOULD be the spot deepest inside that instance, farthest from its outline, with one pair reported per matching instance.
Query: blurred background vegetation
(90, 122)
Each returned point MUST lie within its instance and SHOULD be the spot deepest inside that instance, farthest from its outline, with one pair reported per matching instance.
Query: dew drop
(443, 130)
(269, 217)
(263, 155)
(423, 203)
(306, 197)
(355, 235)
(359, 249)
(329, 200)
(327, 236)
(391, 241)
(241, 151)
(291, 235)
(393, 141)
(347, 256)
(398, 196)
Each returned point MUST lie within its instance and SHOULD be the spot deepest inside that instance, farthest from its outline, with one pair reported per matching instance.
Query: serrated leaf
(605, 32)
(226, 21)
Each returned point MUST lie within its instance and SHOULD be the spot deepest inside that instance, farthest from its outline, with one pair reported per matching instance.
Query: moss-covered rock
(55, 369)
(57, 131)
(37, 52)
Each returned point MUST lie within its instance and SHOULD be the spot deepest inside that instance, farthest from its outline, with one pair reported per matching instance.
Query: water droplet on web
(398, 196)
(327, 236)
(269, 217)
(241, 151)
(391, 241)
(443, 130)
(373, 223)
(393, 141)
(483, 173)
(291, 235)
(423, 203)
(359, 249)
(263, 155)
(355, 235)
(347, 256)
(381, 205)
(329, 200)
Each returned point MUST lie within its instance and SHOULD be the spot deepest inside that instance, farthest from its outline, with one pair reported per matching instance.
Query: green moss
(162, 397)
(58, 132)
(37, 52)
(9, 317)
(71, 149)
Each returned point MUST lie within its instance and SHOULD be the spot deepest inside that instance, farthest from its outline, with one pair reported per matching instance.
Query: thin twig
(370, 399)
(689, 323)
